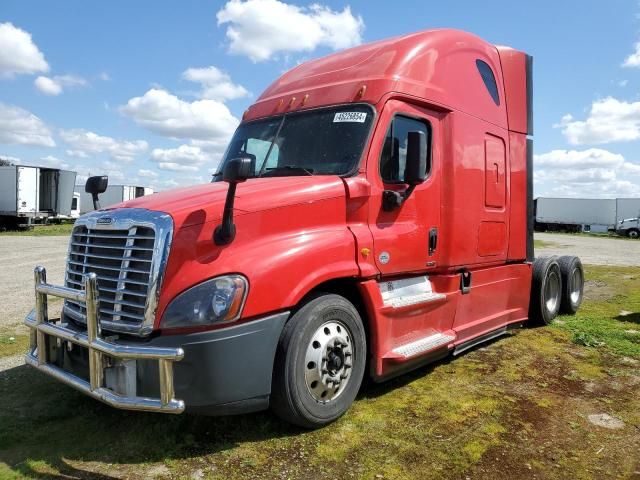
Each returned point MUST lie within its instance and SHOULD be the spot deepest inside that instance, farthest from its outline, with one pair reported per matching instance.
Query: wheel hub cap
(328, 361)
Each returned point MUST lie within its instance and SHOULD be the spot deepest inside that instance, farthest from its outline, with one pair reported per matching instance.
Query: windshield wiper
(288, 170)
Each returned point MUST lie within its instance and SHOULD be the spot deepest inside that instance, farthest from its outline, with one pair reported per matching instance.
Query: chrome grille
(128, 257)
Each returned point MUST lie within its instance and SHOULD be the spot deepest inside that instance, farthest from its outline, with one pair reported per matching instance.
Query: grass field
(42, 230)
(516, 408)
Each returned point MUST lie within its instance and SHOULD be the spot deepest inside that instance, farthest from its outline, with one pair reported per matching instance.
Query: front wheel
(633, 233)
(320, 362)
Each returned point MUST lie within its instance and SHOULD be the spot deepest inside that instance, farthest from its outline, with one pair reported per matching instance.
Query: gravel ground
(18, 257)
(592, 250)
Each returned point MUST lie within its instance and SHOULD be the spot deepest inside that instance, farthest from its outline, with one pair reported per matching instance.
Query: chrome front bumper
(98, 348)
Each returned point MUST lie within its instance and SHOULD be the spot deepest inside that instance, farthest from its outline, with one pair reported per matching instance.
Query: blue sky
(127, 88)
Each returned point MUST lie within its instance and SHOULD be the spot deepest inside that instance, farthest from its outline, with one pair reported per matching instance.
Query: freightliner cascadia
(372, 213)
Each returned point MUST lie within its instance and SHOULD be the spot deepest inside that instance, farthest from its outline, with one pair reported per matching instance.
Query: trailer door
(66, 185)
(28, 190)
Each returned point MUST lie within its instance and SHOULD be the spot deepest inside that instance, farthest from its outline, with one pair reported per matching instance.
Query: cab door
(405, 238)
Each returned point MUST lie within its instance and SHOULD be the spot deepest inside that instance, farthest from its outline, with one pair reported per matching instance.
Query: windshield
(326, 141)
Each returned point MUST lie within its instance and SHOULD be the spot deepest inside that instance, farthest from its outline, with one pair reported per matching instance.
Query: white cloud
(52, 161)
(216, 85)
(144, 173)
(585, 173)
(177, 167)
(184, 154)
(260, 29)
(84, 143)
(18, 126)
(610, 120)
(633, 60)
(55, 85)
(18, 53)
(184, 158)
(165, 114)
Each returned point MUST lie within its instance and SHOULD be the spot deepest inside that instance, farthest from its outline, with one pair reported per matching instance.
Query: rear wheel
(546, 290)
(572, 284)
(633, 233)
(320, 362)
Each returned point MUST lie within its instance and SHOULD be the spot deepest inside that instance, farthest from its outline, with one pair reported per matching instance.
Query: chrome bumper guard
(40, 326)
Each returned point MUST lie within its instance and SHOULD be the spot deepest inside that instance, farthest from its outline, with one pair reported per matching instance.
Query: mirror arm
(96, 202)
(226, 231)
(392, 199)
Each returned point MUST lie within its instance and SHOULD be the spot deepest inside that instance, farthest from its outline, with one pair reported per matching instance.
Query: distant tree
(5, 162)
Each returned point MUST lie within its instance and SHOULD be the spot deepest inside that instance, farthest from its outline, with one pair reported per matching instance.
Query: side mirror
(95, 186)
(416, 167)
(237, 170)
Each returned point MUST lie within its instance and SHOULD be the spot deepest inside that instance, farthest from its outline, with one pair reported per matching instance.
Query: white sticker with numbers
(358, 117)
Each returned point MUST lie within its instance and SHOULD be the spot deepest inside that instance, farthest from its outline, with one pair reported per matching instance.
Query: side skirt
(463, 347)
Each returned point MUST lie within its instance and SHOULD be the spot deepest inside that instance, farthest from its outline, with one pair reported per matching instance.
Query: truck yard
(552, 402)
(281, 240)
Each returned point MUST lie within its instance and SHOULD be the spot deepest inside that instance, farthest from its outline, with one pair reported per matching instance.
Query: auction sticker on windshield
(358, 117)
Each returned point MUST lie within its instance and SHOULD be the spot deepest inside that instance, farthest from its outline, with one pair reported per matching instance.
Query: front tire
(320, 362)
(633, 233)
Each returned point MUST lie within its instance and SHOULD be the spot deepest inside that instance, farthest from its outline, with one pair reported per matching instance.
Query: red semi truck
(373, 213)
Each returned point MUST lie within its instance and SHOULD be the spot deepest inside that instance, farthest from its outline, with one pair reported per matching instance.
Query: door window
(394, 151)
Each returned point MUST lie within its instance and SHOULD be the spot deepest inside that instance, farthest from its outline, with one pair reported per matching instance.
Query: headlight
(217, 300)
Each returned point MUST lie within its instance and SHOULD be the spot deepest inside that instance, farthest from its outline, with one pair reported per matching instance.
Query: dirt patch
(598, 290)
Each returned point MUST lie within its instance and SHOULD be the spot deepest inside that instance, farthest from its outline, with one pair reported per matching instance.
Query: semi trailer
(575, 214)
(112, 196)
(373, 213)
(29, 193)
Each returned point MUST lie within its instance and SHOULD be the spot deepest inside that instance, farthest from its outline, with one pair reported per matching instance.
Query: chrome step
(423, 345)
(415, 299)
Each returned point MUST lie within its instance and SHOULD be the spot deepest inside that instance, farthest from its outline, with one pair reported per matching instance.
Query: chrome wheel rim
(552, 292)
(328, 361)
(576, 284)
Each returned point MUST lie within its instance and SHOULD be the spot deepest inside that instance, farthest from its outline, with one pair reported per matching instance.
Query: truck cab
(372, 213)
(629, 227)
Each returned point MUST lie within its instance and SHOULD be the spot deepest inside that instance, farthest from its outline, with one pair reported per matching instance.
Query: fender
(283, 255)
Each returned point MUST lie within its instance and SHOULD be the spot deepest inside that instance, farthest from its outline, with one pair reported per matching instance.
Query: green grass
(613, 323)
(42, 230)
(543, 244)
(517, 406)
(13, 344)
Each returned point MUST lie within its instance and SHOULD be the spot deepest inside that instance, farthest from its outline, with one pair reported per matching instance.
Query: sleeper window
(489, 80)
(394, 150)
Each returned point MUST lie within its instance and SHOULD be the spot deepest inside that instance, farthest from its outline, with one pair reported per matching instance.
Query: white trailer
(113, 195)
(575, 214)
(29, 193)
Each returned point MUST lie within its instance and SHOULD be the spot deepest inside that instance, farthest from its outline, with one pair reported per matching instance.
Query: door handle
(433, 240)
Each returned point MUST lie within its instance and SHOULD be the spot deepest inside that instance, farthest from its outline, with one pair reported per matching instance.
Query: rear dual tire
(546, 290)
(557, 286)
(572, 284)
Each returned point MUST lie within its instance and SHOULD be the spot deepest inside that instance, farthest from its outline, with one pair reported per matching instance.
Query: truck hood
(204, 203)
